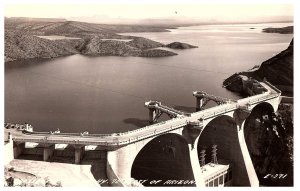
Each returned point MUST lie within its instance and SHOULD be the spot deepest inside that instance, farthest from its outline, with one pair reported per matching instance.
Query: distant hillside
(278, 70)
(24, 46)
(282, 30)
(73, 28)
(156, 53)
(179, 45)
(62, 28)
(96, 46)
(19, 46)
(143, 43)
(137, 47)
(30, 19)
(22, 41)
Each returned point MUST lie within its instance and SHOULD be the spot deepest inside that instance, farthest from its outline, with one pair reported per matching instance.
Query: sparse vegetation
(180, 45)
(22, 41)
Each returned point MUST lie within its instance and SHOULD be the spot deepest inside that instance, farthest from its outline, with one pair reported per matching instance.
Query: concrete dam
(208, 145)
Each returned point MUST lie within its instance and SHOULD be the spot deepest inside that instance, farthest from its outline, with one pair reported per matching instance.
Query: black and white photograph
(152, 94)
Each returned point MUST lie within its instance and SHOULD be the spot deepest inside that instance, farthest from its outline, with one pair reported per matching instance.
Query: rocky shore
(278, 70)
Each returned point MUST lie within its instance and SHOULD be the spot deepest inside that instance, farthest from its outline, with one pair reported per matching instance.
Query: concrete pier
(199, 103)
(48, 151)
(198, 175)
(79, 152)
(152, 115)
(18, 148)
(246, 162)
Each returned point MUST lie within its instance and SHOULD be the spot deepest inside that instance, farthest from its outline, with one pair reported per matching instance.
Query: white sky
(230, 12)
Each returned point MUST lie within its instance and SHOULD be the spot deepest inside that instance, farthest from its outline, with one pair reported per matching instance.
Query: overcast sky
(203, 12)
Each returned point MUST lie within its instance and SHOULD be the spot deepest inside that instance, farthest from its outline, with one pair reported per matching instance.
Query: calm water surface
(107, 94)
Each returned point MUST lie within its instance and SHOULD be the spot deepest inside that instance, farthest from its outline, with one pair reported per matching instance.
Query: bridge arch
(223, 132)
(261, 112)
(165, 157)
(263, 108)
(262, 139)
(255, 128)
(220, 131)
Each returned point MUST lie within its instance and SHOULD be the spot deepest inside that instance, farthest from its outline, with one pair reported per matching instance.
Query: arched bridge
(196, 129)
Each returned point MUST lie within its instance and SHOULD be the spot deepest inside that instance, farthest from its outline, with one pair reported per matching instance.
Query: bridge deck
(203, 94)
(118, 139)
(163, 108)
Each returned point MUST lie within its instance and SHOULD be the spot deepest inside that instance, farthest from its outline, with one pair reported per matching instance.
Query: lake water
(106, 94)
